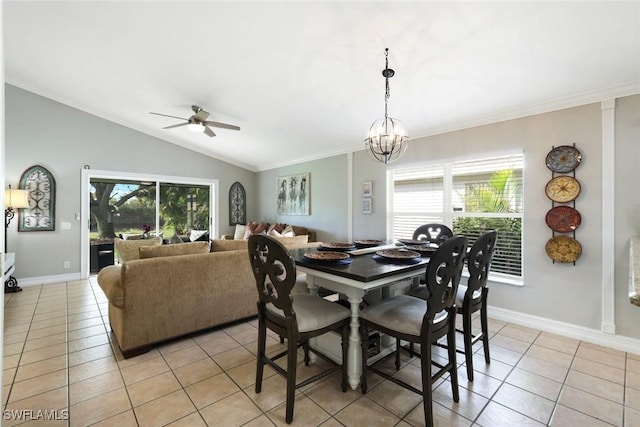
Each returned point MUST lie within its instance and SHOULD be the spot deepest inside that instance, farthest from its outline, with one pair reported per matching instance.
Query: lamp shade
(16, 199)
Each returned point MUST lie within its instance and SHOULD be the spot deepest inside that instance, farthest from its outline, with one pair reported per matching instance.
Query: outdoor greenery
(497, 195)
(130, 208)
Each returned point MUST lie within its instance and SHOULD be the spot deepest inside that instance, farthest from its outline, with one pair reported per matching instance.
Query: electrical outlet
(67, 264)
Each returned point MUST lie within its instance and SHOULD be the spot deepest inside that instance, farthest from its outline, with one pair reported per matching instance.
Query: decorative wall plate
(563, 249)
(563, 159)
(562, 189)
(563, 219)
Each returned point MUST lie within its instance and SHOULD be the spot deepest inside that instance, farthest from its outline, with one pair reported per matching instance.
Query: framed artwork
(367, 205)
(367, 189)
(41, 189)
(293, 194)
(237, 204)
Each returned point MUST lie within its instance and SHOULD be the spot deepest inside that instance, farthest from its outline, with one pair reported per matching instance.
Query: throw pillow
(255, 228)
(239, 233)
(221, 245)
(128, 249)
(201, 235)
(288, 231)
(278, 227)
(173, 250)
(274, 233)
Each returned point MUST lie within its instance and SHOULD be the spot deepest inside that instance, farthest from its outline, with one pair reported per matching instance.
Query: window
(469, 196)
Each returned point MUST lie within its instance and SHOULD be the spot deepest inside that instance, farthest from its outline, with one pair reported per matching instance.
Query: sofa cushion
(221, 245)
(128, 249)
(292, 241)
(173, 250)
(288, 231)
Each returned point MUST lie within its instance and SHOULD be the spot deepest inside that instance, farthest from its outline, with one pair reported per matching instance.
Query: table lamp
(13, 200)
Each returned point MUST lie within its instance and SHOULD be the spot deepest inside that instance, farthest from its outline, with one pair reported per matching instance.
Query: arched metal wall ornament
(237, 204)
(41, 187)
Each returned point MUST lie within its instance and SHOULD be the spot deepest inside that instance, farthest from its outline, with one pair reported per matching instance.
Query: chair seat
(313, 312)
(400, 313)
(460, 295)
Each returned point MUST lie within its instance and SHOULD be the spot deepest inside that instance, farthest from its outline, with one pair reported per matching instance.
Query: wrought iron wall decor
(563, 219)
(41, 188)
(293, 194)
(237, 204)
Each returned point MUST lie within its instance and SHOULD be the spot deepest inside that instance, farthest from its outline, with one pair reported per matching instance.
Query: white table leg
(354, 352)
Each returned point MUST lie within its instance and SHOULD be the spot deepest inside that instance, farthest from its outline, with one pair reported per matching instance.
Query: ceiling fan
(198, 122)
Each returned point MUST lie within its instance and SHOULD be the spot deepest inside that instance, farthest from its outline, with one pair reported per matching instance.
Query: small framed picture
(367, 189)
(367, 206)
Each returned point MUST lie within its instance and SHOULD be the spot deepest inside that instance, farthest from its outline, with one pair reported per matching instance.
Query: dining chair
(435, 233)
(297, 317)
(473, 297)
(416, 321)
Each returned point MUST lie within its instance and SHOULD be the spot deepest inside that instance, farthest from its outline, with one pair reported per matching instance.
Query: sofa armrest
(109, 281)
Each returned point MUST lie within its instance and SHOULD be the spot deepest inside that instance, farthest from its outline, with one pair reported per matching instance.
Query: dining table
(364, 272)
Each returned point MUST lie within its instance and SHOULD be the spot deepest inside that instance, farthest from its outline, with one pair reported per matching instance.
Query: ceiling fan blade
(176, 126)
(209, 132)
(221, 125)
(166, 115)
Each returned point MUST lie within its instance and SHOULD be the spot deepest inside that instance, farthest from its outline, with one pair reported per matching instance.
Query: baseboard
(46, 280)
(594, 336)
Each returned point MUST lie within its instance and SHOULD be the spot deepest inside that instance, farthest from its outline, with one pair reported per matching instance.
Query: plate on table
(563, 159)
(326, 256)
(563, 249)
(413, 242)
(367, 243)
(563, 219)
(422, 249)
(562, 189)
(334, 246)
(398, 254)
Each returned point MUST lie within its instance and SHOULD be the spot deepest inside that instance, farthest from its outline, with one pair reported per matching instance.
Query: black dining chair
(416, 321)
(434, 233)
(473, 297)
(298, 317)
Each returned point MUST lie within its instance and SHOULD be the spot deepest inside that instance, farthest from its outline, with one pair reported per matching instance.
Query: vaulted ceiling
(303, 79)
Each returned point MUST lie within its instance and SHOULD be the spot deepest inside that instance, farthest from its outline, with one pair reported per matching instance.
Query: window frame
(448, 214)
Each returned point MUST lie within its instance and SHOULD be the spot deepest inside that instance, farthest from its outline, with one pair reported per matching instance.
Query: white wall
(627, 208)
(63, 139)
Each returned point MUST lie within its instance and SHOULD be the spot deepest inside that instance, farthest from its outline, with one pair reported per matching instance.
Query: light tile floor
(60, 359)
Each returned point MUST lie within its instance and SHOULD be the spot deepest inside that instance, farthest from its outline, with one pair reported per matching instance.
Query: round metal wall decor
(563, 219)
(563, 159)
(562, 189)
(563, 249)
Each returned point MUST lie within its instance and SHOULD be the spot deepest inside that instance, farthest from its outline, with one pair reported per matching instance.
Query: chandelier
(387, 138)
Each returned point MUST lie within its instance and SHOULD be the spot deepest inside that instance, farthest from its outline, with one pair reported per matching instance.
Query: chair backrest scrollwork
(479, 261)
(274, 271)
(436, 233)
(443, 275)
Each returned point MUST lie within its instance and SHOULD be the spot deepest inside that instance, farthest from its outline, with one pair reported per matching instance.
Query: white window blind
(470, 197)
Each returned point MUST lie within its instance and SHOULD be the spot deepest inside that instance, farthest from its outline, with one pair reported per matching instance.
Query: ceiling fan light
(195, 127)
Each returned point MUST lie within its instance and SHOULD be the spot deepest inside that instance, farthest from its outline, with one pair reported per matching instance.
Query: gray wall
(328, 197)
(63, 139)
(561, 292)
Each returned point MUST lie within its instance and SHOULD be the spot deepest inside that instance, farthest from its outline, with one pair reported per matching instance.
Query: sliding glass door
(133, 206)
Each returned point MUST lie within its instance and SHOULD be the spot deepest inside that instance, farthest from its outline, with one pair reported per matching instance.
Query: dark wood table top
(363, 268)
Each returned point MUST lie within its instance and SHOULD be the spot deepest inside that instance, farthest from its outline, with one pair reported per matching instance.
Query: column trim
(608, 216)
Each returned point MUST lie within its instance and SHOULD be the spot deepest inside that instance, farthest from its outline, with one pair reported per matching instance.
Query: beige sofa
(178, 289)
